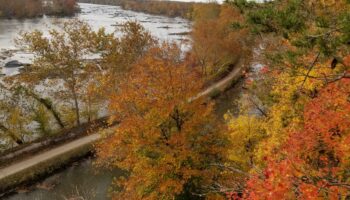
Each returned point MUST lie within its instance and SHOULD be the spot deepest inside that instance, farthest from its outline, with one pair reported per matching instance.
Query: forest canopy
(289, 139)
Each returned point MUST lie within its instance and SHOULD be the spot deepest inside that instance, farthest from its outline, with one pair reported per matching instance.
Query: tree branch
(310, 68)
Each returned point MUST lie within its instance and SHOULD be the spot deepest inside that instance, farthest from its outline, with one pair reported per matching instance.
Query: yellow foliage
(245, 134)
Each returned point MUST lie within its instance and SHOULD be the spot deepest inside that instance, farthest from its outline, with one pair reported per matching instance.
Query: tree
(305, 54)
(165, 141)
(121, 53)
(217, 43)
(313, 162)
(311, 37)
(63, 71)
(61, 60)
(303, 83)
(14, 117)
(63, 86)
(170, 9)
(246, 133)
(62, 7)
(43, 102)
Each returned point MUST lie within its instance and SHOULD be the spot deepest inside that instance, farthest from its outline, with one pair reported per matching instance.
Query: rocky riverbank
(12, 61)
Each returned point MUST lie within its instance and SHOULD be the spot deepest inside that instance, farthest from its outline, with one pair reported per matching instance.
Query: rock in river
(13, 63)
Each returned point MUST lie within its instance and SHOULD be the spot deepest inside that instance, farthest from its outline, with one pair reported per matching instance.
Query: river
(81, 180)
(97, 16)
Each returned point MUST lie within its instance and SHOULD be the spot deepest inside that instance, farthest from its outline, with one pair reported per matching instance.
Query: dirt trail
(41, 157)
(236, 73)
(44, 156)
(221, 85)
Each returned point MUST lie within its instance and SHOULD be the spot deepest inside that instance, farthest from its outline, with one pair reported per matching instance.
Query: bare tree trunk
(53, 111)
(77, 110)
(48, 105)
(89, 108)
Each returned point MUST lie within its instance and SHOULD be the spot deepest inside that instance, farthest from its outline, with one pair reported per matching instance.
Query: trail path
(44, 156)
(223, 83)
(56, 152)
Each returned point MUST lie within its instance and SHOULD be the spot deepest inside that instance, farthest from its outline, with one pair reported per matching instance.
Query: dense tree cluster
(155, 7)
(297, 147)
(20, 8)
(165, 141)
(36, 8)
(171, 9)
(217, 44)
(61, 7)
(290, 139)
(62, 87)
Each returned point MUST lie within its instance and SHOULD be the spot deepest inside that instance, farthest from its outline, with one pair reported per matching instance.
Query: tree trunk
(89, 108)
(53, 111)
(76, 104)
(48, 105)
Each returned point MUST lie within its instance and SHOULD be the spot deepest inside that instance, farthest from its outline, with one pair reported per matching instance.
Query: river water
(83, 181)
(80, 181)
(97, 16)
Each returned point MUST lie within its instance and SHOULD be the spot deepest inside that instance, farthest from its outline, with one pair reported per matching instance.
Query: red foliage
(313, 162)
(264, 70)
(249, 81)
(347, 61)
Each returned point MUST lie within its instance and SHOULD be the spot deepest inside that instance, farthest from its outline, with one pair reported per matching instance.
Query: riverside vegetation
(166, 8)
(36, 8)
(290, 139)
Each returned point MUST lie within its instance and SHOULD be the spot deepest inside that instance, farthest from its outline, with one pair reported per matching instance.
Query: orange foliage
(347, 61)
(313, 163)
(165, 140)
(216, 42)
